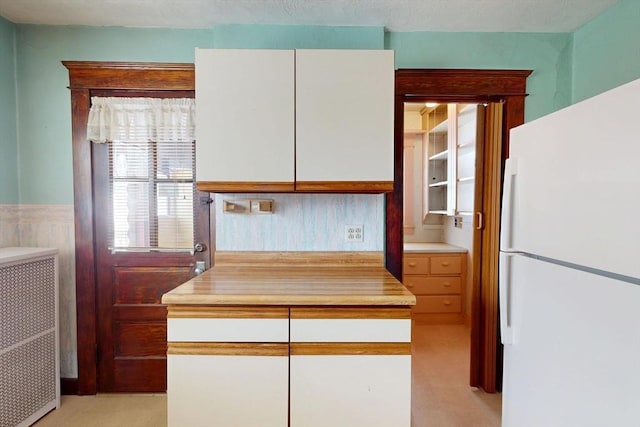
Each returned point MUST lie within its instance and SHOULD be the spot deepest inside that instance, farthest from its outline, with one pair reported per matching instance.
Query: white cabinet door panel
(245, 115)
(344, 115)
(353, 391)
(229, 391)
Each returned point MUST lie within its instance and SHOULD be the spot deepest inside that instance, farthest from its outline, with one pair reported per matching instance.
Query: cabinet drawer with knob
(438, 304)
(419, 285)
(415, 264)
(445, 265)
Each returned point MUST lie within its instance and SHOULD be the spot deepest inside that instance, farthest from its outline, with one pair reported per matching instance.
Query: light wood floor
(440, 394)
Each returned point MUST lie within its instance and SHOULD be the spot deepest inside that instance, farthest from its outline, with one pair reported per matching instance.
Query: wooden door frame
(471, 86)
(85, 77)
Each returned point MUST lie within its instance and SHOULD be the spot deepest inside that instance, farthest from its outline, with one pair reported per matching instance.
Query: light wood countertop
(292, 285)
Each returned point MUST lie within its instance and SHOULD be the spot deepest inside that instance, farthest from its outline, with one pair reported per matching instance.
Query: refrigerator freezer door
(575, 193)
(576, 360)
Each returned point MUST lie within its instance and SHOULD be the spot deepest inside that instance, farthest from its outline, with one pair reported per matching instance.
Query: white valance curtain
(113, 119)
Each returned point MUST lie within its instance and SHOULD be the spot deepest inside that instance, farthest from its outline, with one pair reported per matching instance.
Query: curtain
(113, 119)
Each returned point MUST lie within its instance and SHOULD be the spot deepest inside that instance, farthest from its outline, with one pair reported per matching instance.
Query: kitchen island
(284, 339)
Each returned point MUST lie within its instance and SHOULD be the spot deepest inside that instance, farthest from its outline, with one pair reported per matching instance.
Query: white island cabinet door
(344, 115)
(350, 367)
(235, 390)
(227, 366)
(244, 116)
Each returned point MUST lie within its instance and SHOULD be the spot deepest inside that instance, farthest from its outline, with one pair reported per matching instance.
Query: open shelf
(443, 155)
(441, 127)
(415, 131)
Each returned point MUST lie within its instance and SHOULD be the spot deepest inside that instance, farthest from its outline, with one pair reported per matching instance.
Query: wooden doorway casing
(85, 78)
(507, 87)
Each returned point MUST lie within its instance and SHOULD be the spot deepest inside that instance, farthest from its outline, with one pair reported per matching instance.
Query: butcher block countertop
(340, 278)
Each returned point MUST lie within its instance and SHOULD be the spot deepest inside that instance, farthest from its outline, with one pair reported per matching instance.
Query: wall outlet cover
(354, 233)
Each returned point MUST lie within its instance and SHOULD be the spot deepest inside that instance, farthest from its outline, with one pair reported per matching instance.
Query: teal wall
(44, 108)
(607, 50)
(548, 55)
(44, 111)
(297, 37)
(8, 136)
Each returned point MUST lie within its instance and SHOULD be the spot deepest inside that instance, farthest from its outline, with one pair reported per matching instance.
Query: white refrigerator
(570, 266)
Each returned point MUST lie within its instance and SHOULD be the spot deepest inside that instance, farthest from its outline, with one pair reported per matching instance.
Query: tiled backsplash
(301, 222)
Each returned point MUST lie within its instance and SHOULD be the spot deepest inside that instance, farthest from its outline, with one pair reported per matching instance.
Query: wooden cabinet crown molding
(130, 75)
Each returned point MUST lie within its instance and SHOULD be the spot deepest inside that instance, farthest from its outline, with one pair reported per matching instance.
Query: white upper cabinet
(245, 117)
(344, 115)
(285, 120)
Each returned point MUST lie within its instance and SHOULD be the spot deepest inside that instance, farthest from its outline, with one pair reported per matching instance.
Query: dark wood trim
(85, 77)
(455, 85)
(130, 75)
(68, 386)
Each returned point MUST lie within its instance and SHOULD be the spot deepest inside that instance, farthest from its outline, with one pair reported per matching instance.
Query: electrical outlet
(353, 233)
(457, 221)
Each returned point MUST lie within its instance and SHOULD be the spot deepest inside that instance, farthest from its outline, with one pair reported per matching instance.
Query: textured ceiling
(394, 15)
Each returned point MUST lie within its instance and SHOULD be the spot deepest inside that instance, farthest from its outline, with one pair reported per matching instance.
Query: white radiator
(29, 354)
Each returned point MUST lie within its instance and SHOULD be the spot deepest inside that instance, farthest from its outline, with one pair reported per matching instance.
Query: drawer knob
(412, 264)
(447, 302)
(445, 264)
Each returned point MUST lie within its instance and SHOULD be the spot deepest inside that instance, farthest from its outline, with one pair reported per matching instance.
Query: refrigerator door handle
(504, 290)
(510, 170)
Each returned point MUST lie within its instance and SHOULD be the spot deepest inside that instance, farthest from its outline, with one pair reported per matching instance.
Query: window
(151, 156)
(152, 188)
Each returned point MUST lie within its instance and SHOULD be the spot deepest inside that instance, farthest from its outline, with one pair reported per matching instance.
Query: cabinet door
(245, 118)
(350, 390)
(344, 117)
(350, 367)
(242, 389)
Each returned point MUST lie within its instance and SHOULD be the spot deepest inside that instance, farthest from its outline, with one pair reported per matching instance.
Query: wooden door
(131, 321)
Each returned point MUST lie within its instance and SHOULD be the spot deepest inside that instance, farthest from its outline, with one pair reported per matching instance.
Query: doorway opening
(504, 92)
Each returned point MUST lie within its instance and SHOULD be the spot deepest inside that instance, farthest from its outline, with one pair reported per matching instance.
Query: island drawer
(227, 324)
(350, 325)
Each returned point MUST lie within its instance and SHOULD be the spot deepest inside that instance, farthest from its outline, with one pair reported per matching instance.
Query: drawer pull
(447, 302)
(409, 285)
(444, 264)
(412, 264)
(446, 284)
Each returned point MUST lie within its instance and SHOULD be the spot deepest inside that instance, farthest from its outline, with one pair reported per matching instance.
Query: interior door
(131, 322)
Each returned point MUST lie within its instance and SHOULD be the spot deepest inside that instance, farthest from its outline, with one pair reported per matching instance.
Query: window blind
(152, 188)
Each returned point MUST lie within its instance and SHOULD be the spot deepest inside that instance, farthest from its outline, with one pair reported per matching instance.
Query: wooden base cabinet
(305, 367)
(438, 282)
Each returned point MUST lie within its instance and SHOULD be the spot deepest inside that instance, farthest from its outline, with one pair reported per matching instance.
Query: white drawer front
(350, 330)
(228, 330)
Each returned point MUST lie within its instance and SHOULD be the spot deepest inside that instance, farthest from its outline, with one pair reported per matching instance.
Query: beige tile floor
(440, 394)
